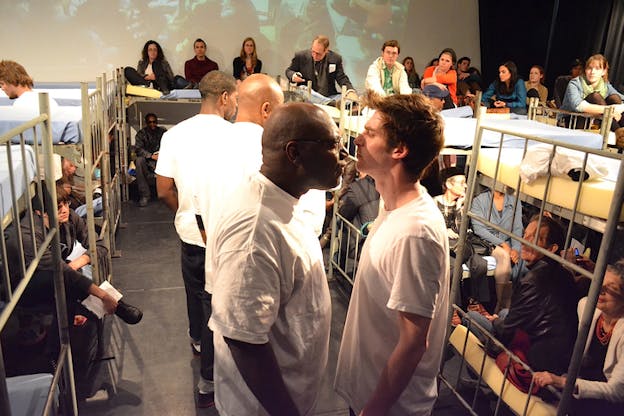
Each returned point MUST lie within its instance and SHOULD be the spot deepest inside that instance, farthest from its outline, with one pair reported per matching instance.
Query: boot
(503, 296)
(619, 138)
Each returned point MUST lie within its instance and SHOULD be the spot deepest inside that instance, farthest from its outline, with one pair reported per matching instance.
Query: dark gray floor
(155, 366)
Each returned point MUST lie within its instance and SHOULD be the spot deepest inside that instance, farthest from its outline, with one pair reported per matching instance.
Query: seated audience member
(74, 185)
(198, 66)
(359, 205)
(18, 85)
(599, 388)
(247, 63)
(323, 67)
(507, 91)
(534, 86)
(147, 146)
(561, 82)
(436, 95)
(413, 79)
(385, 75)
(443, 75)
(576, 68)
(542, 312)
(433, 62)
(40, 290)
(153, 69)
(592, 93)
(506, 250)
(450, 204)
(468, 81)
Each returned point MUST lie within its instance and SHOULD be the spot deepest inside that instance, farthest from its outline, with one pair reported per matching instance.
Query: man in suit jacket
(321, 66)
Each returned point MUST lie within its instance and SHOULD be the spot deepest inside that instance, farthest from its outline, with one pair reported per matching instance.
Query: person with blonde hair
(247, 63)
(18, 86)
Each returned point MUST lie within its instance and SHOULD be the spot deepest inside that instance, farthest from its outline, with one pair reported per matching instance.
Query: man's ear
(554, 248)
(265, 109)
(400, 151)
(292, 152)
(224, 98)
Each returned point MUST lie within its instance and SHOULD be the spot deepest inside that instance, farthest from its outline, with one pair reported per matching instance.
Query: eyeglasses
(152, 122)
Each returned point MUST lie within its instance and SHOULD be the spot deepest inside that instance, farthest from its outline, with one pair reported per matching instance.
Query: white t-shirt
(269, 286)
(190, 152)
(240, 158)
(404, 267)
(30, 100)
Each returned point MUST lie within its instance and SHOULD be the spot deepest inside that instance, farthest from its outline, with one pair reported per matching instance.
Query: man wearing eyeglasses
(386, 76)
(323, 67)
(271, 308)
(147, 145)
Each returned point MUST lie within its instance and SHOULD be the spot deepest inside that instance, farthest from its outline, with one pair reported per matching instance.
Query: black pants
(595, 98)
(192, 259)
(144, 174)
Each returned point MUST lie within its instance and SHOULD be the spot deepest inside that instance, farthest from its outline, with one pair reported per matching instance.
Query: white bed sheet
(65, 97)
(595, 197)
(20, 181)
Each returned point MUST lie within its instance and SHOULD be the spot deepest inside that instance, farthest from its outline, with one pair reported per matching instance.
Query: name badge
(332, 68)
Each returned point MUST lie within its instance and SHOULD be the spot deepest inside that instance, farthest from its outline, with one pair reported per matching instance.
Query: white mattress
(63, 96)
(595, 197)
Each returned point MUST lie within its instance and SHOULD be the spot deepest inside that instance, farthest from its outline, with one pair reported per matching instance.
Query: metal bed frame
(596, 277)
(64, 370)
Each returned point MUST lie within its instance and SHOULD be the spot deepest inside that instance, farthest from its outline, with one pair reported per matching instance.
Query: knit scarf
(601, 88)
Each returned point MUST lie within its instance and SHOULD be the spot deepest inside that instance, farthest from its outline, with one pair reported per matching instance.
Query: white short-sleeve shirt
(190, 152)
(269, 287)
(404, 266)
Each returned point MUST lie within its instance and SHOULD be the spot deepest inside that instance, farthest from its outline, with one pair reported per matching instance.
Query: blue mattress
(20, 166)
(28, 394)
(65, 124)
(182, 94)
(460, 133)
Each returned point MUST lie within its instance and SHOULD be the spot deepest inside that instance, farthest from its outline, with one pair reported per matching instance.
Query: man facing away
(395, 328)
(321, 66)
(183, 160)
(18, 86)
(271, 305)
(386, 76)
(147, 148)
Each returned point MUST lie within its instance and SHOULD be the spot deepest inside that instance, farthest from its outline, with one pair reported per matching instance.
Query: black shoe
(128, 313)
(205, 400)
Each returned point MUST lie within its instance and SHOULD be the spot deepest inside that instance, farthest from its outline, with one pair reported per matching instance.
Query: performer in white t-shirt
(396, 324)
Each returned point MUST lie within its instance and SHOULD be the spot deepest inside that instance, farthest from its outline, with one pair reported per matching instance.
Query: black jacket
(302, 62)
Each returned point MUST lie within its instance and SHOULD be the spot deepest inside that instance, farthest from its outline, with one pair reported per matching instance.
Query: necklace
(602, 335)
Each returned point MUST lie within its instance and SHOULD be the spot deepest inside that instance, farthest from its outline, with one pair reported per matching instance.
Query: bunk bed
(497, 167)
(23, 163)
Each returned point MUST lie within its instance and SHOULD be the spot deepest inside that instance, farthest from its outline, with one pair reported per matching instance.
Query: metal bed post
(594, 290)
(605, 126)
(122, 133)
(65, 356)
(87, 128)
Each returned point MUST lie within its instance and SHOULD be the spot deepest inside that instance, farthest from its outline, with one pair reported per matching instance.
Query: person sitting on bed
(543, 304)
(534, 85)
(147, 146)
(507, 91)
(506, 250)
(599, 388)
(247, 63)
(74, 185)
(592, 93)
(199, 65)
(443, 75)
(18, 86)
(153, 69)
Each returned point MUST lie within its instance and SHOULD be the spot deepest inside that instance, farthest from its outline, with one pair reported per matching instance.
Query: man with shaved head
(233, 159)
(270, 304)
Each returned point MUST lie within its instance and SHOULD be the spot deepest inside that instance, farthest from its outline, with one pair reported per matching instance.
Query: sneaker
(479, 308)
(196, 347)
(205, 400)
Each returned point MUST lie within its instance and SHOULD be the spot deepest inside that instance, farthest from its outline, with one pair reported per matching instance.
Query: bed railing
(345, 246)
(601, 261)
(45, 193)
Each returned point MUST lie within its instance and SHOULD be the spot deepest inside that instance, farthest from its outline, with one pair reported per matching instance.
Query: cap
(433, 91)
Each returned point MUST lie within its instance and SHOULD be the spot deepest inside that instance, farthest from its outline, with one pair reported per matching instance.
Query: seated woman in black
(153, 69)
(247, 63)
(507, 91)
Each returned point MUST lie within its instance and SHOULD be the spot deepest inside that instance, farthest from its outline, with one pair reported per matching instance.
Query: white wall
(76, 40)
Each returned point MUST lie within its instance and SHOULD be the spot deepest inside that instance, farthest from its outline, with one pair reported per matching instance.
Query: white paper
(95, 305)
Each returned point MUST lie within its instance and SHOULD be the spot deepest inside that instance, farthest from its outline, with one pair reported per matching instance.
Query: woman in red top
(443, 75)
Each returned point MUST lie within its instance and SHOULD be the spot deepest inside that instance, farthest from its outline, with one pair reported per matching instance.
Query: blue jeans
(483, 321)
